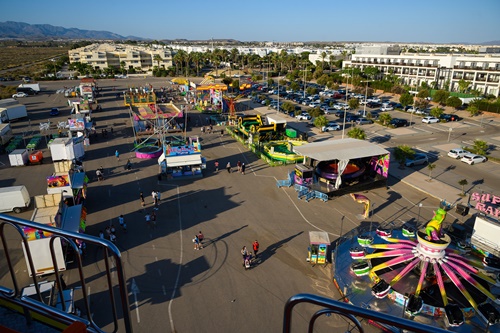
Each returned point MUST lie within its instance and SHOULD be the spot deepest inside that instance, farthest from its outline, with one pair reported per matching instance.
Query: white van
(14, 198)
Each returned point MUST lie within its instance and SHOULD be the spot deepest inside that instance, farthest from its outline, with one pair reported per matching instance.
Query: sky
(427, 21)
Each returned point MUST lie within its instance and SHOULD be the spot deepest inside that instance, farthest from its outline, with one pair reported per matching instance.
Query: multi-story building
(437, 70)
(101, 56)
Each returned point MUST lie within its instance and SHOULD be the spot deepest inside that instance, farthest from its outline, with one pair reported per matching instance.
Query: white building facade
(440, 70)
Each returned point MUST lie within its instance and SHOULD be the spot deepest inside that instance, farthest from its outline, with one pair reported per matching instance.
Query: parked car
(418, 159)
(450, 117)
(457, 153)
(430, 120)
(351, 117)
(398, 122)
(20, 94)
(303, 116)
(331, 126)
(387, 108)
(54, 112)
(473, 159)
(364, 121)
(329, 110)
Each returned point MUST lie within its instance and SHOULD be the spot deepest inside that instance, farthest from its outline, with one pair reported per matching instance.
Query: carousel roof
(344, 149)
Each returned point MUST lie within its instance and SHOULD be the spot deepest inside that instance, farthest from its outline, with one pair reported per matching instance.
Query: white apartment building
(482, 70)
(101, 56)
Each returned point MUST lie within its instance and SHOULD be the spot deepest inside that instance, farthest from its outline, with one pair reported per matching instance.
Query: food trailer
(318, 247)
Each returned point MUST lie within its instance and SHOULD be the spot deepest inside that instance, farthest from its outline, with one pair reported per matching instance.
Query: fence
(13, 295)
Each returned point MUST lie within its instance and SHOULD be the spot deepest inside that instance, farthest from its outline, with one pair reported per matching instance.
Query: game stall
(182, 158)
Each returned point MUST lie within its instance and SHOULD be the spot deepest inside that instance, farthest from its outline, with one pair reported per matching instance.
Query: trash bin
(462, 209)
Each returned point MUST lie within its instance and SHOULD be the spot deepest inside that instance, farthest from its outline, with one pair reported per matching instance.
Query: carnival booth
(318, 247)
(181, 158)
(73, 186)
(344, 166)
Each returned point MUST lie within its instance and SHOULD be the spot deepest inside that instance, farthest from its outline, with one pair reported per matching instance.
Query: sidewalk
(421, 182)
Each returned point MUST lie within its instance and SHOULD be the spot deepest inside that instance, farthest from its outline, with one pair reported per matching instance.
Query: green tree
(403, 152)
(480, 147)
(436, 112)
(397, 89)
(357, 133)
(463, 183)
(315, 112)
(431, 167)
(320, 121)
(473, 110)
(422, 103)
(385, 118)
(424, 93)
(288, 106)
(371, 72)
(295, 86)
(158, 59)
(441, 96)
(353, 103)
(406, 99)
(270, 82)
(463, 85)
(454, 102)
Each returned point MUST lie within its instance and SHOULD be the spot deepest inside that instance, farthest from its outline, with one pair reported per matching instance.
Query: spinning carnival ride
(423, 274)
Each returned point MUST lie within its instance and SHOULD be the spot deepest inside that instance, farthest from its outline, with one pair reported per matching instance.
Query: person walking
(155, 197)
(117, 154)
(147, 218)
(255, 246)
(216, 165)
(121, 221)
(112, 238)
(228, 167)
(108, 232)
(201, 237)
(238, 165)
(244, 254)
(99, 175)
(243, 168)
(153, 220)
(143, 203)
(196, 242)
(101, 234)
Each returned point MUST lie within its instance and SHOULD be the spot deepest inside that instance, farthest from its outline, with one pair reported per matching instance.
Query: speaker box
(462, 210)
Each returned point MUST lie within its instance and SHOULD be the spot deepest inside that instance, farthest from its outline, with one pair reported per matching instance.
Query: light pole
(418, 219)
(305, 77)
(366, 96)
(345, 109)
(278, 106)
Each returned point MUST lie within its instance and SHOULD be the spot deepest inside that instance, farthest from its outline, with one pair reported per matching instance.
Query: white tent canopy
(344, 149)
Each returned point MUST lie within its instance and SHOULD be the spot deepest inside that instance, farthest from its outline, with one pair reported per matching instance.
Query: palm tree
(122, 66)
(403, 152)
(323, 56)
(463, 183)
(357, 133)
(234, 56)
(431, 167)
(158, 59)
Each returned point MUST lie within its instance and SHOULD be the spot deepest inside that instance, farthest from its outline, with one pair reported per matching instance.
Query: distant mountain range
(20, 30)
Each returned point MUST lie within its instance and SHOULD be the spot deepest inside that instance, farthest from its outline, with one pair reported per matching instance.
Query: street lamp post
(278, 106)
(418, 219)
(345, 109)
(366, 96)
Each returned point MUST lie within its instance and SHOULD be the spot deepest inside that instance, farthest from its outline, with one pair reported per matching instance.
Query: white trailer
(13, 112)
(5, 134)
(34, 86)
(66, 149)
(19, 157)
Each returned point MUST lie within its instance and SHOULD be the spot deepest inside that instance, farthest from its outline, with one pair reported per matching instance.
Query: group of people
(110, 233)
(247, 255)
(198, 241)
(241, 166)
(150, 219)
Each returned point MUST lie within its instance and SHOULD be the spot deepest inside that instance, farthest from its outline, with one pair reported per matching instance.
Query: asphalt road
(177, 288)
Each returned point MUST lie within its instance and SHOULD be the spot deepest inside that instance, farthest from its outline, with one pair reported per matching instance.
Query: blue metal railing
(350, 312)
(14, 297)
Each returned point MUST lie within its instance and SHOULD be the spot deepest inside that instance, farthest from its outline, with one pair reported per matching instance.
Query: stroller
(247, 262)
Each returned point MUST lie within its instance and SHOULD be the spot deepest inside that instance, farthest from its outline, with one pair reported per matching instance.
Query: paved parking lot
(184, 290)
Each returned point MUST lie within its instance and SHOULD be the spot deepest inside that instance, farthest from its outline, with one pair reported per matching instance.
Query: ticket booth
(303, 175)
(318, 247)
